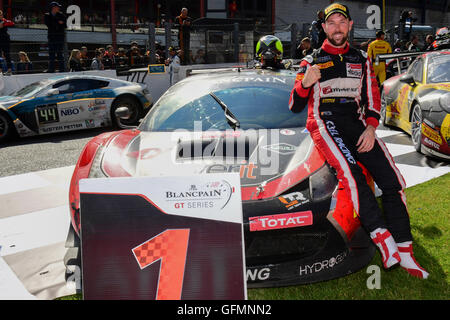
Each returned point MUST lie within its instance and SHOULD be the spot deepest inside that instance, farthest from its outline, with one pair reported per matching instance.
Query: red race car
(299, 225)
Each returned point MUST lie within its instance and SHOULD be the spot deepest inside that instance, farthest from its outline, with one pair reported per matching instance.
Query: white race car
(74, 102)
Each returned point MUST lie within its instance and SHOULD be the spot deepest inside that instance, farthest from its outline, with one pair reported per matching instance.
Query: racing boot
(388, 248)
(408, 262)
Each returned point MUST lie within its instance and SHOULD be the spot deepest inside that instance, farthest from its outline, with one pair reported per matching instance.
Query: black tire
(132, 104)
(416, 127)
(6, 127)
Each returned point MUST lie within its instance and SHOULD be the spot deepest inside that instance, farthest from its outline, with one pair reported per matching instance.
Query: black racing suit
(340, 105)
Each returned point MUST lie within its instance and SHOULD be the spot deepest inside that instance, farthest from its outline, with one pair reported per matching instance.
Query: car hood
(273, 160)
(7, 101)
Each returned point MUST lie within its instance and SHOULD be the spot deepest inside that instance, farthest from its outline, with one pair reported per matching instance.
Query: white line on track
(34, 230)
(11, 288)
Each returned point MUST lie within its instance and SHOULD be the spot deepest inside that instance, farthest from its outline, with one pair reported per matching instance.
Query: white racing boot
(408, 262)
(388, 248)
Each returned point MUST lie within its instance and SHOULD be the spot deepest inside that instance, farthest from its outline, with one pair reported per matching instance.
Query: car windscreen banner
(163, 238)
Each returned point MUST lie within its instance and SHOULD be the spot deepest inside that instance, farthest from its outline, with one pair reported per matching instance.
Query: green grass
(429, 208)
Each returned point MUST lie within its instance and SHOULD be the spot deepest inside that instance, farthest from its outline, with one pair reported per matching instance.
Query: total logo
(322, 265)
(281, 221)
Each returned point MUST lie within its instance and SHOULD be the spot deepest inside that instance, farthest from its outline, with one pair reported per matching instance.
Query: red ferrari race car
(418, 102)
(299, 225)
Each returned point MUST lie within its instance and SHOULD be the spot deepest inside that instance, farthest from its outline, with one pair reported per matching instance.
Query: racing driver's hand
(312, 75)
(367, 140)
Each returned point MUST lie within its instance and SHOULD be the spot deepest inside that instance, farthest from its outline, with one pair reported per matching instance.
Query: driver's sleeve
(370, 94)
(299, 95)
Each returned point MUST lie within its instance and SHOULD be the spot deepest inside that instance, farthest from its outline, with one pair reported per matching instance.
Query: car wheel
(6, 127)
(135, 111)
(416, 127)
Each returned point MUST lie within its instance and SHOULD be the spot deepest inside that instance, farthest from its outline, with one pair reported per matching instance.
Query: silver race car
(73, 102)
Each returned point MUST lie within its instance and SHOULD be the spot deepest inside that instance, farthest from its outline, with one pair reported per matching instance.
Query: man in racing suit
(336, 82)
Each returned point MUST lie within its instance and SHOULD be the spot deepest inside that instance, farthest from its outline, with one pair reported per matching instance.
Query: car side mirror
(52, 92)
(409, 79)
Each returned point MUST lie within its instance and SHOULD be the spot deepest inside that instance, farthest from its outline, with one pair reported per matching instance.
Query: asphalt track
(34, 215)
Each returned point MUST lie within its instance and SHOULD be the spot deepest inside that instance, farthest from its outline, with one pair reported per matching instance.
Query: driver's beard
(336, 44)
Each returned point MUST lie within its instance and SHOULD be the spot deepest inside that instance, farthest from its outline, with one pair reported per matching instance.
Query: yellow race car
(418, 102)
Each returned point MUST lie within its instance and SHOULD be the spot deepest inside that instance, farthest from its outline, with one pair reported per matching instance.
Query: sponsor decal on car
(322, 265)
(432, 134)
(293, 200)
(257, 274)
(431, 143)
(281, 148)
(201, 196)
(66, 127)
(281, 221)
(245, 170)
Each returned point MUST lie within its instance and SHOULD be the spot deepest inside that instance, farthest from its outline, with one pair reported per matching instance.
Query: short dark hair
(380, 33)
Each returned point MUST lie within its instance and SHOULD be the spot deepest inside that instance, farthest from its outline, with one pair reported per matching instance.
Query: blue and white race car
(73, 102)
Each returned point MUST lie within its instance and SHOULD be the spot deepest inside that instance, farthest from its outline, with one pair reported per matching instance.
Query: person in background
(55, 21)
(428, 43)
(5, 42)
(121, 58)
(199, 57)
(173, 62)
(414, 45)
(376, 47)
(97, 63)
(184, 24)
(75, 61)
(406, 22)
(85, 61)
(109, 59)
(316, 31)
(304, 48)
(24, 65)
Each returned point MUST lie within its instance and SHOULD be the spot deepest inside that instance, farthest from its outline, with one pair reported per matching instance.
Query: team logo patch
(354, 70)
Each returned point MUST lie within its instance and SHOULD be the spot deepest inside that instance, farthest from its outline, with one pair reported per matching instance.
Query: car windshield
(254, 107)
(439, 69)
(31, 89)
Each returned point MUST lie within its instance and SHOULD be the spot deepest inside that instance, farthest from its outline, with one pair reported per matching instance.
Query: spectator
(75, 61)
(406, 22)
(233, 8)
(184, 28)
(413, 46)
(109, 59)
(121, 58)
(5, 42)
(24, 65)
(317, 34)
(173, 62)
(97, 63)
(134, 55)
(428, 43)
(55, 21)
(199, 57)
(85, 61)
(303, 49)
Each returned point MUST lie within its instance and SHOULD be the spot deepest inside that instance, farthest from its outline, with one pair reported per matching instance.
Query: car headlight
(95, 170)
(322, 183)
(444, 101)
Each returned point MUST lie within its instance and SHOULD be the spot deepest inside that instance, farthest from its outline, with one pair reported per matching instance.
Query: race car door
(68, 109)
(407, 93)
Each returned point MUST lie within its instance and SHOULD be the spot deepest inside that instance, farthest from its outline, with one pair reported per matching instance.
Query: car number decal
(47, 113)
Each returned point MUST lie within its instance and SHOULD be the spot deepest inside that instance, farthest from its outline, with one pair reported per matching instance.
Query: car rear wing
(402, 59)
